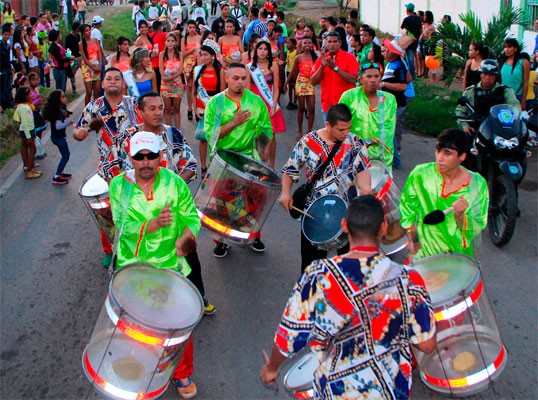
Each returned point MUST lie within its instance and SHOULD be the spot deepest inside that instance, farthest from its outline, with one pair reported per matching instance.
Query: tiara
(212, 45)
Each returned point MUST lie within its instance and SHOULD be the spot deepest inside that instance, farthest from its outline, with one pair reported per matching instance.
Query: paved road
(52, 287)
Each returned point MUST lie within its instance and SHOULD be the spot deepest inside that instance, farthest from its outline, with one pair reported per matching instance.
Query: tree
(456, 40)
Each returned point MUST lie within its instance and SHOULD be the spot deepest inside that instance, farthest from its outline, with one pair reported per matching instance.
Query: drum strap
(325, 164)
(124, 204)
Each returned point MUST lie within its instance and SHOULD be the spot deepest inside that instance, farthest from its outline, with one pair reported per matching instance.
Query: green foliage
(432, 110)
(116, 25)
(456, 40)
(9, 136)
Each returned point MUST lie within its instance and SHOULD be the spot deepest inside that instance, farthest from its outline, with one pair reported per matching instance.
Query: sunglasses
(141, 156)
(370, 65)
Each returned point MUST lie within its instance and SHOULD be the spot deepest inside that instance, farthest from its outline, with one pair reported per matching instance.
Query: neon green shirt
(423, 193)
(157, 248)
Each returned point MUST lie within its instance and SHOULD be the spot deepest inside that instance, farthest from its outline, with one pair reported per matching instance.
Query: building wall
(28, 7)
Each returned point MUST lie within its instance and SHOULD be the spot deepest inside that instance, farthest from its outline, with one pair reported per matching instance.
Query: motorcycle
(501, 158)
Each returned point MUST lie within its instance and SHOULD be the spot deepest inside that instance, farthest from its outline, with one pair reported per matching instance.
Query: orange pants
(186, 365)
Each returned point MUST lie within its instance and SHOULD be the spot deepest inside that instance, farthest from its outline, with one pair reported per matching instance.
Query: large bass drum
(323, 228)
(300, 377)
(236, 197)
(94, 193)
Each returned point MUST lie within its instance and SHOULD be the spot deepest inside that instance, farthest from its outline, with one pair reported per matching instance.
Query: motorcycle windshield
(505, 120)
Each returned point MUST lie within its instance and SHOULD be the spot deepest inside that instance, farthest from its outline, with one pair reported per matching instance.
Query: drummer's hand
(80, 134)
(186, 244)
(241, 117)
(460, 206)
(414, 244)
(286, 201)
(165, 217)
(269, 377)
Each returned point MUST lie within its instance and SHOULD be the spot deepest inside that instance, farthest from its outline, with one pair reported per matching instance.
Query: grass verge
(116, 25)
(9, 136)
(432, 110)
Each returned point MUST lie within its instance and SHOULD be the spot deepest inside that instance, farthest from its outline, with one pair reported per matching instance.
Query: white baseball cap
(97, 20)
(144, 141)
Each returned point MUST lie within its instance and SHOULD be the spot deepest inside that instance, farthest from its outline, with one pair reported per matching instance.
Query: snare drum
(236, 197)
(324, 230)
(141, 332)
(94, 193)
(299, 379)
(395, 243)
(470, 352)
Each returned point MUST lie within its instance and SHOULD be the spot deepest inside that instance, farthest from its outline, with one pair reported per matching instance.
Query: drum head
(301, 374)
(94, 186)
(446, 275)
(159, 298)
(328, 212)
(249, 168)
(378, 171)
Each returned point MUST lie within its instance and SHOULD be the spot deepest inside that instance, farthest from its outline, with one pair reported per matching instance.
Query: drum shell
(327, 212)
(395, 244)
(465, 323)
(131, 357)
(299, 378)
(94, 194)
(236, 196)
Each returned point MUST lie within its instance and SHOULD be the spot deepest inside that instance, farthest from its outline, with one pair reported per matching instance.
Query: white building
(387, 15)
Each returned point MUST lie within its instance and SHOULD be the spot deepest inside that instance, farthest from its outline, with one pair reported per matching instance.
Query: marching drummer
(238, 120)
(107, 115)
(157, 222)
(446, 186)
(311, 152)
(351, 311)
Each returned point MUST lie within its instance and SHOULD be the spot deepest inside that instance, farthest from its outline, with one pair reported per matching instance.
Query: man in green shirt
(238, 120)
(374, 113)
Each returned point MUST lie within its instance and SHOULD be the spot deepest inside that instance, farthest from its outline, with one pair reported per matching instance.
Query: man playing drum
(157, 222)
(374, 114)
(359, 313)
(177, 156)
(108, 115)
(447, 186)
(237, 120)
(310, 152)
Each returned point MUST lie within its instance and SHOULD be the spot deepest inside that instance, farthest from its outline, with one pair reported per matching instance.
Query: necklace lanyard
(364, 249)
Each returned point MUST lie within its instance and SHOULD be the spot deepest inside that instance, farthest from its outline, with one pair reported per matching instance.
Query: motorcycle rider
(484, 95)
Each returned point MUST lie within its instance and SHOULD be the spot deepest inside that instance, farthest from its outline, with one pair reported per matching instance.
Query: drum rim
(92, 196)
(471, 285)
(304, 218)
(114, 300)
(309, 356)
(245, 175)
(384, 170)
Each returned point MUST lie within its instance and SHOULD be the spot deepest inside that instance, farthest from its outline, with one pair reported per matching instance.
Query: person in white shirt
(96, 26)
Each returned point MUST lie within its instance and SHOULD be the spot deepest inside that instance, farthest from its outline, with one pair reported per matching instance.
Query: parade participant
(176, 156)
(172, 87)
(246, 58)
(237, 119)
(209, 79)
(140, 78)
(304, 90)
(122, 59)
(111, 113)
(92, 54)
(189, 49)
(374, 113)
(335, 310)
(335, 70)
(157, 223)
(311, 152)
(230, 44)
(143, 39)
(438, 186)
(218, 26)
(264, 80)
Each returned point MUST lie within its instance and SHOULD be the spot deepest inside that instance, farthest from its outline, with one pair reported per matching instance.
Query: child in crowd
(55, 22)
(39, 122)
(24, 114)
(291, 44)
(55, 111)
(44, 65)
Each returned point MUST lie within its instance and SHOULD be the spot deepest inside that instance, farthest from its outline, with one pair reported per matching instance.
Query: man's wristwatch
(336, 68)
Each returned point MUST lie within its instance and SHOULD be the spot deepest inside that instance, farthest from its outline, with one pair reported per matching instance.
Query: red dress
(277, 120)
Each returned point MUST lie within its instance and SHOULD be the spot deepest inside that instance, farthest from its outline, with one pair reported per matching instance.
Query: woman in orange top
(143, 40)
(189, 47)
(92, 57)
(230, 45)
(304, 90)
(171, 68)
(122, 59)
(252, 42)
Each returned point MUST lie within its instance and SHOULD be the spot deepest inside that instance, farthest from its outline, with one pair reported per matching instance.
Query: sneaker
(40, 156)
(186, 388)
(293, 106)
(31, 175)
(189, 115)
(58, 180)
(258, 246)
(36, 171)
(209, 309)
(220, 250)
(107, 259)
(66, 176)
(288, 107)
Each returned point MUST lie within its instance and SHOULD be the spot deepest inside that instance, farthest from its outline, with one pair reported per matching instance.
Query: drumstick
(437, 216)
(302, 212)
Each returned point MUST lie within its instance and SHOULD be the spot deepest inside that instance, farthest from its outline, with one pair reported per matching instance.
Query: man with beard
(108, 116)
(237, 120)
(157, 222)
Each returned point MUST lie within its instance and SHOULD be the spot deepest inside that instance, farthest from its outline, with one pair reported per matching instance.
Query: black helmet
(489, 66)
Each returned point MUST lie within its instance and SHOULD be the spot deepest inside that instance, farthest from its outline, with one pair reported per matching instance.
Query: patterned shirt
(311, 151)
(359, 318)
(178, 155)
(116, 120)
